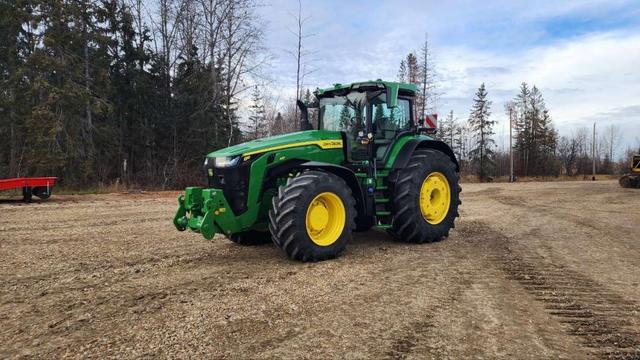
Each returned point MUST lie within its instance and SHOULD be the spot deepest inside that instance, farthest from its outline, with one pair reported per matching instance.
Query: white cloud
(583, 79)
(585, 73)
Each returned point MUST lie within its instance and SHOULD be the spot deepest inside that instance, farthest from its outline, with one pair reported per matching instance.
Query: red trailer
(38, 186)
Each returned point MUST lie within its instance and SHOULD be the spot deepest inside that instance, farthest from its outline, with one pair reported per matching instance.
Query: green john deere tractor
(367, 163)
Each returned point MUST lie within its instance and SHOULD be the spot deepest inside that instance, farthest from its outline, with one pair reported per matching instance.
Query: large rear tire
(312, 216)
(425, 198)
(630, 181)
(250, 238)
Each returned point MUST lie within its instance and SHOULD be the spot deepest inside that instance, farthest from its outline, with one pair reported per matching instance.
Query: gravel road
(532, 270)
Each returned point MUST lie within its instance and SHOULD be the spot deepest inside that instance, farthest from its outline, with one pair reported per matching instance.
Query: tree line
(96, 91)
(538, 149)
(136, 91)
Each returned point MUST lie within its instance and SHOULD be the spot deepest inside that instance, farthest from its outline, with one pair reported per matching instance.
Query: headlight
(226, 161)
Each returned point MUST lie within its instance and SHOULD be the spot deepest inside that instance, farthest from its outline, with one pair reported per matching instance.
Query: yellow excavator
(632, 180)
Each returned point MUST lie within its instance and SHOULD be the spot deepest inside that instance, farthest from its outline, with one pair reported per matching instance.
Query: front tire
(312, 216)
(425, 199)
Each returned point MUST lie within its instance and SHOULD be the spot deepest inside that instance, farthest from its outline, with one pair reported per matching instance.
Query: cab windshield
(343, 113)
(349, 112)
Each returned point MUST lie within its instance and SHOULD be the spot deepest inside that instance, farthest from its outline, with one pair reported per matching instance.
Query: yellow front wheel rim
(325, 220)
(435, 198)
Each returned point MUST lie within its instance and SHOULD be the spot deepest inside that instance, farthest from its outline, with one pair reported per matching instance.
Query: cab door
(388, 123)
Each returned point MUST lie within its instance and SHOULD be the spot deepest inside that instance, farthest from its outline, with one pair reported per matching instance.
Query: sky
(583, 55)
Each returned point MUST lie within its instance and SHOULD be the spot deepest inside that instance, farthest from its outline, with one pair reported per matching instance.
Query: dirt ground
(532, 271)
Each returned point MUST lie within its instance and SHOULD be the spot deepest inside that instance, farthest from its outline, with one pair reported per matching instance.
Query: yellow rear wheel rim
(435, 198)
(325, 220)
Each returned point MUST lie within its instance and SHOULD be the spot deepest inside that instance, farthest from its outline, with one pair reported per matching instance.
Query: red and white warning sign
(430, 121)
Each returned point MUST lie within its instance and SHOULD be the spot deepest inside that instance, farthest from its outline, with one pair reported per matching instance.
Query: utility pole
(593, 153)
(510, 143)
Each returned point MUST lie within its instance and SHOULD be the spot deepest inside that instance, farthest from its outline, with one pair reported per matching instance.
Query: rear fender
(402, 160)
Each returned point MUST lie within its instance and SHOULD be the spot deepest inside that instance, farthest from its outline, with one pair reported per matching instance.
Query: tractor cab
(370, 115)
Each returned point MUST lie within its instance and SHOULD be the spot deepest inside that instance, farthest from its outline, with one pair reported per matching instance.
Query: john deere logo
(330, 144)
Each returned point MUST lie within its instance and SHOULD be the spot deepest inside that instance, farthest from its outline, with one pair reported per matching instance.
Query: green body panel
(274, 141)
(398, 145)
(200, 207)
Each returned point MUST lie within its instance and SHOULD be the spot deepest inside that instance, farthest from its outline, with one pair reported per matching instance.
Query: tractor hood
(321, 138)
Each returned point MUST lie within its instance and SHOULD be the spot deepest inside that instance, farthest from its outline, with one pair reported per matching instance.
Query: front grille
(234, 183)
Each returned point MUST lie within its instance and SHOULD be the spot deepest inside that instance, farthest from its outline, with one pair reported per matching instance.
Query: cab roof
(412, 88)
(393, 88)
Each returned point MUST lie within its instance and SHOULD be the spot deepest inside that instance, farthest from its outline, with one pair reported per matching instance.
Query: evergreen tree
(402, 72)
(482, 128)
(413, 71)
(313, 112)
(82, 92)
(307, 97)
(420, 71)
(134, 109)
(522, 127)
(345, 118)
(256, 115)
(536, 138)
(17, 46)
(68, 78)
(449, 129)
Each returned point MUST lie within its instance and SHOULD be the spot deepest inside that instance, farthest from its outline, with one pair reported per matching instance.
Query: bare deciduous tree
(427, 82)
(611, 137)
(568, 152)
(300, 52)
(242, 38)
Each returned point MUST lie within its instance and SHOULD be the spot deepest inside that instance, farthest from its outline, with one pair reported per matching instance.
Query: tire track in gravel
(598, 317)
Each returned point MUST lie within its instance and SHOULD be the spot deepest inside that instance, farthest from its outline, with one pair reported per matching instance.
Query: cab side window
(388, 122)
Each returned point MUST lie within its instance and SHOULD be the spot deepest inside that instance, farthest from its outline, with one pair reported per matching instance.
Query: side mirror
(392, 96)
(304, 116)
